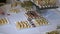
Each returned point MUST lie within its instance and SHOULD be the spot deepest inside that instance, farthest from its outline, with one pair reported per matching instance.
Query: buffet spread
(23, 15)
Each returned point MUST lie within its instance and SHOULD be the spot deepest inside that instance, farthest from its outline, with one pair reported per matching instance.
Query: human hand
(1, 11)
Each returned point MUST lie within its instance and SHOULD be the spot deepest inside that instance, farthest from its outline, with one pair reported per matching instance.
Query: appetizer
(40, 21)
(14, 4)
(22, 24)
(52, 32)
(45, 2)
(14, 10)
(52, 2)
(3, 21)
(27, 5)
(40, 2)
(32, 14)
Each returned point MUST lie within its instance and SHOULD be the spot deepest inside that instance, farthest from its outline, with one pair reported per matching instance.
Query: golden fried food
(19, 25)
(3, 21)
(52, 32)
(18, 3)
(14, 4)
(32, 14)
(14, 10)
(22, 24)
(26, 4)
(52, 2)
(40, 21)
(45, 2)
(40, 2)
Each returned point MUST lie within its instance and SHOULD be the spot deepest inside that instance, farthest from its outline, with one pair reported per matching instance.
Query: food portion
(52, 2)
(36, 19)
(18, 3)
(39, 2)
(32, 14)
(45, 2)
(13, 4)
(40, 21)
(3, 21)
(52, 32)
(22, 24)
(27, 5)
(15, 10)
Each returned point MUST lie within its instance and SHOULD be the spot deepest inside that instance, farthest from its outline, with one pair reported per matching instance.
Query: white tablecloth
(52, 16)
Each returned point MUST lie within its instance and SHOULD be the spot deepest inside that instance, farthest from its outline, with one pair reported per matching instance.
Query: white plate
(52, 17)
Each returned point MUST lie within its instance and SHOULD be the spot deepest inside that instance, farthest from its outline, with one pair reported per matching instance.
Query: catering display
(20, 16)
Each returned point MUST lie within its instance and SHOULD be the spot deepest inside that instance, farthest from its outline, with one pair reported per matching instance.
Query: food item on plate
(36, 18)
(27, 5)
(32, 14)
(3, 21)
(14, 10)
(22, 24)
(45, 2)
(14, 4)
(40, 2)
(18, 3)
(52, 2)
(52, 32)
(28, 8)
(40, 21)
(19, 25)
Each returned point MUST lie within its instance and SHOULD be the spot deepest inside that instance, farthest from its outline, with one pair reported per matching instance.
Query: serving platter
(51, 15)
